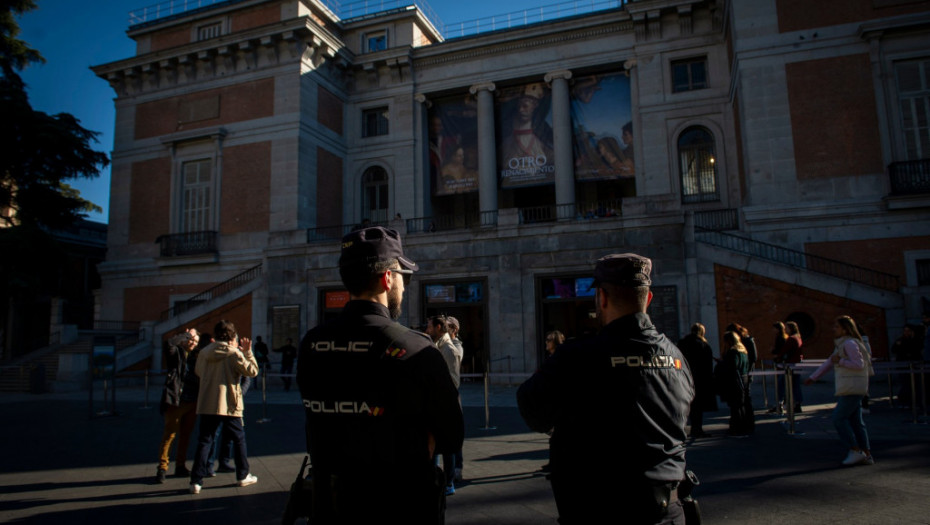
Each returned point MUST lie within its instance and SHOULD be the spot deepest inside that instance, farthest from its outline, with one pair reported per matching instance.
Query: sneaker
(211, 474)
(450, 489)
(195, 488)
(855, 457)
(248, 480)
(160, 476)
(869, 460)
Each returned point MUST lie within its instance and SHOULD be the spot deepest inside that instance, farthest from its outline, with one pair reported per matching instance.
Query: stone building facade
(770, 156)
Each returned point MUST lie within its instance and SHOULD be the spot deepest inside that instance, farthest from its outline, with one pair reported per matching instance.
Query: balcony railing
(910, 178)
(717, 220)
(216, 291)
(529, 16)
(440, 223)
(191, 243)
(572, 211)
(116, 326)
(787, 256)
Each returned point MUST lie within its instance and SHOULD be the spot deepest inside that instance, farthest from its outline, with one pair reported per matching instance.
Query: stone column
(487, 148)
(562, 139)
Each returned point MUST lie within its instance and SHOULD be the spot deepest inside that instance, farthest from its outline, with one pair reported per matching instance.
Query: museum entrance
(464, 299)
(566, 304)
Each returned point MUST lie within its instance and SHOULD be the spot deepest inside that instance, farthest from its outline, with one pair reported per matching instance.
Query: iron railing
(116, 326)
(717, 220)
(216, 291)
(571, 211)
(910, 178)
(529, 16)
(797, 259)
(440, 223)
(190, 243)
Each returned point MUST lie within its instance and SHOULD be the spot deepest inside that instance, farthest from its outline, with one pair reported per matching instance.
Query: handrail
(571, 211)
(116, 326)
(717, 220)
(797, 259)
(216, 291)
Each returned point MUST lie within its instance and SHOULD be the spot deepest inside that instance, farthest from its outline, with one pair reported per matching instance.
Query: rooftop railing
(910, 178)
(366, 8)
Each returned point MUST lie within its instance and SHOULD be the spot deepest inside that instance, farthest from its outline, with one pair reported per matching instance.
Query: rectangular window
(209, 31)
(923, 272)
(197, 211)
(913, 82)
(375, 122)
(376, 41)
(689, 74)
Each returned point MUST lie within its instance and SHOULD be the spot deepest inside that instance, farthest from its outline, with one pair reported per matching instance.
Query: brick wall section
(834, 136)
(797, 15)
(176, 36)
(328, 188)
(146, 303)
(246, 188)
(239, 312)
(247, 101)
(149, 200)
(329, 110)
(756, 302)
(260, 16)
(883, 255)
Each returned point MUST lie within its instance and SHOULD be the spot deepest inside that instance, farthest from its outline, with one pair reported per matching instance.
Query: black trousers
(581, 502)
(232, 427)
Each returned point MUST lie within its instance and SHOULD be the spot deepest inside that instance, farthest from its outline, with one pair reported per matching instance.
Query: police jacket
(175, 370)
(616, 403)
(379, 402)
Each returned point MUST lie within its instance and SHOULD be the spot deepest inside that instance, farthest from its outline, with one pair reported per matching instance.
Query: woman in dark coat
(735, 386)
(700, 359)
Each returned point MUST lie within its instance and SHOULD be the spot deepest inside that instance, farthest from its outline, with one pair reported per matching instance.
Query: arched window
(375, 194)
(698, 162)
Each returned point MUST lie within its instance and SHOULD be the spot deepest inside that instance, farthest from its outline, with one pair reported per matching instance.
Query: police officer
(616, 404)
(379, 400)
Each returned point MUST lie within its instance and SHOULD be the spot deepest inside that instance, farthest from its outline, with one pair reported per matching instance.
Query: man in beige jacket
(220, 366)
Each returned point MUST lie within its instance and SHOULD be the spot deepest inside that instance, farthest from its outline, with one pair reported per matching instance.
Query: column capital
(555, 75)
(421, 98)
(482, 86)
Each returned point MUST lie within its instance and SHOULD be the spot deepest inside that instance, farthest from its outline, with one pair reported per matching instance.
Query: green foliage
(38, 151)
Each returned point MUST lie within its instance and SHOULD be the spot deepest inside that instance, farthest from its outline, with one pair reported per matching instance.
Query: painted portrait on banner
(453, 145)
(602, 127)
(524, 132)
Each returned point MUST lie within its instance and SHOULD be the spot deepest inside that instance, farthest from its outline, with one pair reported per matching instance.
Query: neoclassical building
(771, 156)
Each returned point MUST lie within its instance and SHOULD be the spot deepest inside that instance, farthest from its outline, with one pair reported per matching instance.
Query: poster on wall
(453, 145)
(524, 134)
(602, 127)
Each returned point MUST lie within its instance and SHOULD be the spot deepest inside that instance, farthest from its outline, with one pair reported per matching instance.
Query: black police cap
(623, 269)
(368, 245)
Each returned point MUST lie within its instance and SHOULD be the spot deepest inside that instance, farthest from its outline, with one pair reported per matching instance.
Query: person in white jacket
(853, 364)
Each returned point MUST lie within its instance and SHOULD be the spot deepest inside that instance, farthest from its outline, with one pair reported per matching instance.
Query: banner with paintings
(602, 127)
(524, 136)
(453, 145)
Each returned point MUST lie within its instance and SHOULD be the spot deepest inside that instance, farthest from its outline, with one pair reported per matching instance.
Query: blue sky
(72, 36)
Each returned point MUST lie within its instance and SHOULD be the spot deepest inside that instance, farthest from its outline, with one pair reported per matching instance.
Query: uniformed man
(616, 404)
(379, 399)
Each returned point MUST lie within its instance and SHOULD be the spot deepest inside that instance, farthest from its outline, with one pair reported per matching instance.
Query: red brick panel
(260, 16)
(834, 136)
(329, 110)
(173, 37)
(797, 15)
(146, 303)
(239, 312)
(883, 255)
(756, 302)
(241, 102)
(328, 188)
(246, 187)
(149, 200)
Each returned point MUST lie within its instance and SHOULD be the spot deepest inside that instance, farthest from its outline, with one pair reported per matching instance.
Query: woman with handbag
(735, 384)
(853, 365)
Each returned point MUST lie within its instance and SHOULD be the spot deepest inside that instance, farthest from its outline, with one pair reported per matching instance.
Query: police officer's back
(378, 397)
(617, 404)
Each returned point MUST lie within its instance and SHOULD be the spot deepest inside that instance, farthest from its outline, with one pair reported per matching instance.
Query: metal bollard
(890, 387)
(923, 388)
(146, 405)
(789, 397)
(765, 392)
(264, 418)
(910, 367)
(487, 410)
